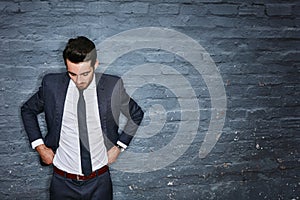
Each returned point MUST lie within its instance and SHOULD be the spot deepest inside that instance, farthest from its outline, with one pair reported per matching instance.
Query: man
(82, 121)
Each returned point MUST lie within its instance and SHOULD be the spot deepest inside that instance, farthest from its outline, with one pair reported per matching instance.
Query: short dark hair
(80, 49)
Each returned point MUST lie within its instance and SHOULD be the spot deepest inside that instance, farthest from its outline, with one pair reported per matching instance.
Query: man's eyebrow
(71, 73)
(85, 72)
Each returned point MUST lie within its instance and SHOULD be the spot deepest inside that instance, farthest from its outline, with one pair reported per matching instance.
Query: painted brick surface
(255, 45)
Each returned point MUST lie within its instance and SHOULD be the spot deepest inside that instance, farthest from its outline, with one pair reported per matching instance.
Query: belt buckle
(78, 177)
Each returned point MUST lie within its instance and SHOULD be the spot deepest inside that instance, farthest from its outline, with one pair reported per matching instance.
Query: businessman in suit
(82, 110)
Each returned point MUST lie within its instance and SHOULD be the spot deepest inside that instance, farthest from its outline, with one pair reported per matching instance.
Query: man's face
(81, 73)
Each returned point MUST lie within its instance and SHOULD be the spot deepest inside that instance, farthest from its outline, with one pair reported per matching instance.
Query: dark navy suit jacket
(112, 100)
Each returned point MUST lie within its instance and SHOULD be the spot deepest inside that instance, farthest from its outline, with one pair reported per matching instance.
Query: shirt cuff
(36, 143)
(121, 144)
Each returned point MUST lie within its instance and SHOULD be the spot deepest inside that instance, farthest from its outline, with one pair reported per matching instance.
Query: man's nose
(78, 79)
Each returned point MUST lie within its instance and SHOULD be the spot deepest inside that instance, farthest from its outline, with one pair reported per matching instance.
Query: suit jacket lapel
(101, 97)
(102, 102)
(62, 88)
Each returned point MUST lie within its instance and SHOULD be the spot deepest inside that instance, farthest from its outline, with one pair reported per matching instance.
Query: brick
(160, 57)
(35, 7)
(103, 7)
(208, 1)
(9, 7)
(75, 6)
(223, 9)
(136, 7)
(183, 21)
(191, 9)
(165, 9)
(23, 45)
(251, 10)
(279, 9)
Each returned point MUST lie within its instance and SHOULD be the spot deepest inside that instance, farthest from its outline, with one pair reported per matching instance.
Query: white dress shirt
(67, 157)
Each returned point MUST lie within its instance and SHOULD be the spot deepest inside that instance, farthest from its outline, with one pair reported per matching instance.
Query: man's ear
(96, 64)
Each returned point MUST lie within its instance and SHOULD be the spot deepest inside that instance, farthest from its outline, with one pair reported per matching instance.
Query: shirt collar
(92, 84)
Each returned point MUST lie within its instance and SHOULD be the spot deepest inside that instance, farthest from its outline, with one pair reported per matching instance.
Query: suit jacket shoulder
(53, 77)
(106, 77)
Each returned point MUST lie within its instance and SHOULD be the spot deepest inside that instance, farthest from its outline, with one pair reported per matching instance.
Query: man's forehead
(79, 67)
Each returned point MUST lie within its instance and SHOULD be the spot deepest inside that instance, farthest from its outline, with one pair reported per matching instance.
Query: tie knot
(80, 92)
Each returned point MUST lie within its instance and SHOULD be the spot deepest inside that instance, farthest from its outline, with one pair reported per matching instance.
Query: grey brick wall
(255, 44)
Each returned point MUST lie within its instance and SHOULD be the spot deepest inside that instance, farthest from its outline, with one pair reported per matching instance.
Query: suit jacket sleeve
(29, 113)
(133, 113)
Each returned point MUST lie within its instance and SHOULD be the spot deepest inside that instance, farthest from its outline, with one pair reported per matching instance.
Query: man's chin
(81, 87)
